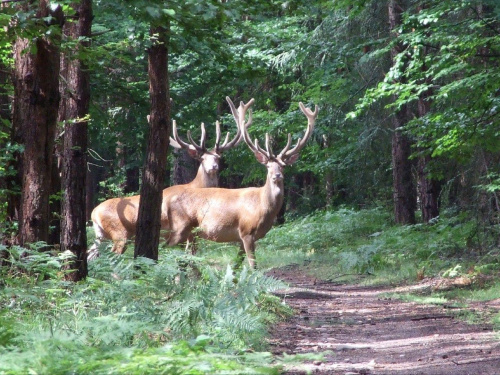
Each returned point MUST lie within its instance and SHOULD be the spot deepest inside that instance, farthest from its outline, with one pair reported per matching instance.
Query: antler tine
(203, 137)
(200, 148)
(311, 119)
(233, 108)
(258, 148)
(268, 147)
(225, 145)
(239, 118)
(242, 110)
(177, 142)
(217, 135)
(288, 144)
(246, 137)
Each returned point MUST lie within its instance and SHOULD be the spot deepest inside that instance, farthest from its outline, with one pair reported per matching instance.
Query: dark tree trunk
(74, 160)
(428, 188)
(329, 189)
(131, 183)
(93, 176)
(185, 168)
(21, 76)
(148, 221)
(294, 190)
(5, 118)
(403, 187)
(37, 97)
(131, 180)
(55, 201)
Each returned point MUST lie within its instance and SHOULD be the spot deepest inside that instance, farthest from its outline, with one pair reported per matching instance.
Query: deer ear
(194, 154)
(292, 159)
(261, 158)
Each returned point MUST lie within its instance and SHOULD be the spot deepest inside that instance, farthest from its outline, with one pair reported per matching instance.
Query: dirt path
(368, 333)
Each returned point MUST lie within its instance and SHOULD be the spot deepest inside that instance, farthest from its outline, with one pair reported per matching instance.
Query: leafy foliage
(344, 242)
(447, 47)
(132, 317)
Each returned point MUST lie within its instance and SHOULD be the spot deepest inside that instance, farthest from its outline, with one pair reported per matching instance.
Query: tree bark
(131, 182)
(428, 188)
(5, 127)
(20, 77)
(403, 187)
(148, 222)
(37, 96)
(329, 189)
(5, 119)
(185, 168)
(74, 160)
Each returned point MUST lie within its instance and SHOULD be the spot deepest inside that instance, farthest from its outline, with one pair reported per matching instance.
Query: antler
(286, 156)
(239, 117)
(177, 142)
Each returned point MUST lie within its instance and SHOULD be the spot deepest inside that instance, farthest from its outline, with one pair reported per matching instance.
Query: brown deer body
(116, 219)
(236, 215)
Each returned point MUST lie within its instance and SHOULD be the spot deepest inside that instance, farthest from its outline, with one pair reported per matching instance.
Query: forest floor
(364, 331)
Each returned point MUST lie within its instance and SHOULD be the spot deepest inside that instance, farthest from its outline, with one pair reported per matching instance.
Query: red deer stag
(116, 219)
(237, 215)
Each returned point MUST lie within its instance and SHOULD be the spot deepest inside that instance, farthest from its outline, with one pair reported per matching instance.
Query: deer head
(276, 163)
(209, 159)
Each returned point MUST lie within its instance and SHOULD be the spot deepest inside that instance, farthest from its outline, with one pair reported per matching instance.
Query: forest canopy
(408, 91)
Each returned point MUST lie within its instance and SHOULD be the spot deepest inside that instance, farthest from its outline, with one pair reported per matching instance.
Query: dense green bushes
(365, 242)
(132, 317)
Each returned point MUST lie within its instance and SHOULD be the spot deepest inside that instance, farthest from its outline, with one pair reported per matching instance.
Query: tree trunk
(294, 191)
(74, 169)
(148, 221)
(131, 182)
(5, 127)
(37, 78)
(428, 188)
(403, 187)
(4, 119)
(185, 168)
(21, 77)
(329, 189)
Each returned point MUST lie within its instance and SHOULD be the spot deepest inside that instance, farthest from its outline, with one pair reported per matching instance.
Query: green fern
(130, 316)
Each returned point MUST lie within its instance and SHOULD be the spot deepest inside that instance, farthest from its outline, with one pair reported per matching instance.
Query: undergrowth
(349, 243)
(133, 317)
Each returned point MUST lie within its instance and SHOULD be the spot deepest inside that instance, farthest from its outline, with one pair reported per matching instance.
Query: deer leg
(248, 242)
(177, 238)
(240, 257)
(191, 244)
(119, 246)
(93, 252)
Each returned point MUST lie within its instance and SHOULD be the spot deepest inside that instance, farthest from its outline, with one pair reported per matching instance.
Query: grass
(347, 242)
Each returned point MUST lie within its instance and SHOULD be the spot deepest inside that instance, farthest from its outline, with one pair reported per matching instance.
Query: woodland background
(408, 92)
(401, 177)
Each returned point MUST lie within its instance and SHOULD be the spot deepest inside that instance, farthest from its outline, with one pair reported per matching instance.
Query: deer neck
(272, 196)
(204, 180)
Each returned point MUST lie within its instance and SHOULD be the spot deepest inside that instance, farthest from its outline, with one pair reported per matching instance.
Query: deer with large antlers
(237, 215)
(116, 219)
